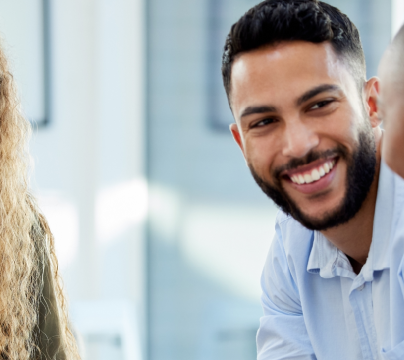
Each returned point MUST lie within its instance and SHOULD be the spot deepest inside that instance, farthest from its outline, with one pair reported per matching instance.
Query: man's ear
(372, 95)
(237, 136)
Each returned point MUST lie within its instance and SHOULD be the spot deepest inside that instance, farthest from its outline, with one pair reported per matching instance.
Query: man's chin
(312, 222)
(320, 220)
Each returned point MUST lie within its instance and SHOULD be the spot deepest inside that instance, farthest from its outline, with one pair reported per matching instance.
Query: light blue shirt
(316, 307)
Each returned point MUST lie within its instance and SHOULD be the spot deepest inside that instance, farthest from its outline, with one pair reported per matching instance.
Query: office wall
(90, 169)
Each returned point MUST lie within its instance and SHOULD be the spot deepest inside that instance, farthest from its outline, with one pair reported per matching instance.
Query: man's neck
(355, 237)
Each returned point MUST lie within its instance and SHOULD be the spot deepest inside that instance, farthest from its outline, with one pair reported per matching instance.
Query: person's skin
(276, 77)
(391, 103)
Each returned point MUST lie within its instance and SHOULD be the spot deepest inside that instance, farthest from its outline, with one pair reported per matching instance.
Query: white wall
(90, 170)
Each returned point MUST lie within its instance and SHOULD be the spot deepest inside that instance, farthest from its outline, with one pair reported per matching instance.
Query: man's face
(392, 112)
(304, 130)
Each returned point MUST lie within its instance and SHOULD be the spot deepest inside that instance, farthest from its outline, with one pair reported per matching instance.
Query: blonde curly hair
(26, 242)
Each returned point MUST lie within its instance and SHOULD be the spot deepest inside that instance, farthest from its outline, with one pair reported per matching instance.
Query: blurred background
(160, 231)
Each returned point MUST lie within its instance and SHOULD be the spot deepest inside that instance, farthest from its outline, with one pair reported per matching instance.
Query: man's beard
(361, 168)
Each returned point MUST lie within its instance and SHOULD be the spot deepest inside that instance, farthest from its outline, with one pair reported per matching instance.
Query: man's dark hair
(275, 21)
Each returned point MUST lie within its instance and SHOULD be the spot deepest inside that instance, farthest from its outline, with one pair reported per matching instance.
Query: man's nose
(299, 139)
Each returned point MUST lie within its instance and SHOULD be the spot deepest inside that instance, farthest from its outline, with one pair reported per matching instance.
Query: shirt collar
(327, 260)
(325, 257)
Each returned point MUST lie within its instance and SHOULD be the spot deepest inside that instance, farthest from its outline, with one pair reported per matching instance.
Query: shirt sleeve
(282, 334)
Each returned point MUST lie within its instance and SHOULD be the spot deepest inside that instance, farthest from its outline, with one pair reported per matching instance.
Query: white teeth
(308, 179)
(315, 175)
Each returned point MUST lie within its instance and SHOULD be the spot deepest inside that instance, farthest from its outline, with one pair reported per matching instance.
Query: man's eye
(321, 104)
(263, 122)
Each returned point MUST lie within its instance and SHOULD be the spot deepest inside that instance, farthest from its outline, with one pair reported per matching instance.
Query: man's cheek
(257, 158)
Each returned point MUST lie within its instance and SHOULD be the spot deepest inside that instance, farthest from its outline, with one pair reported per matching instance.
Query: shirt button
(360, 288)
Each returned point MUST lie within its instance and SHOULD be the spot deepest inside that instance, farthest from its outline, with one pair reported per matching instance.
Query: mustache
(309, 158)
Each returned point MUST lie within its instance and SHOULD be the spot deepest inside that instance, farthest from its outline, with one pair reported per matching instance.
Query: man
(391, 112)
(33, 316)
(391, 102)
(307, 124)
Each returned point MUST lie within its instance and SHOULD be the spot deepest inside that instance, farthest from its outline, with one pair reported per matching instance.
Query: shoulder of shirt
(292, 246)
(293, 235)
(283, 220)
(282, 217)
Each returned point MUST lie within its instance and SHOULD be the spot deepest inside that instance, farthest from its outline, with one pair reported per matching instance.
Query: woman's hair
(275, 21)
(26, 243)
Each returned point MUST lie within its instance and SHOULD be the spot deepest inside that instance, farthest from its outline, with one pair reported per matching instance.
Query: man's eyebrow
(317, 90)
(257, 110)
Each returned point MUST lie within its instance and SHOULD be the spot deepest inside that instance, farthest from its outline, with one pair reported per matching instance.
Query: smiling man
(308, 127)
(391, 72)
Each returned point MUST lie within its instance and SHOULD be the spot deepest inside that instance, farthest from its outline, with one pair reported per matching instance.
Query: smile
(313, 175)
